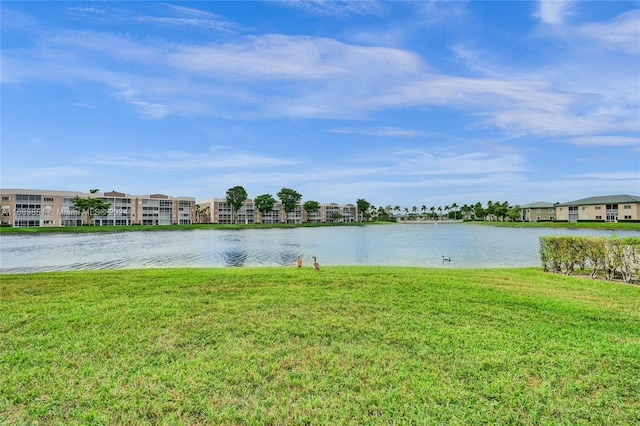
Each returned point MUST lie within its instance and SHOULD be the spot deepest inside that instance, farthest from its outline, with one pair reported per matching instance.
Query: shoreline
(133, 228)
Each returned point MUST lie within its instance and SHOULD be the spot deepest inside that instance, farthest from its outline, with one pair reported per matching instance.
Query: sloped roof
(538, 205)
(604, 199)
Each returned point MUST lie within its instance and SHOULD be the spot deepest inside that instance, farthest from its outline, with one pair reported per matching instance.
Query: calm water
(402, 245)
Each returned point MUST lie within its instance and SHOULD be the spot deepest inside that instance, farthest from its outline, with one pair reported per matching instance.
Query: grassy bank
(121, 228)
(346, 345)
(577, 225)
(585, 225)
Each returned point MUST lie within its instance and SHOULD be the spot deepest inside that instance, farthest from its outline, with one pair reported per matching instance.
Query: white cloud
(186, 161)
(190, 17)
(35, 177)
(337, 8)
(622, 33)
(606, 141)
(283, 57)
(394, 132)
(553, 12)
(612, 176)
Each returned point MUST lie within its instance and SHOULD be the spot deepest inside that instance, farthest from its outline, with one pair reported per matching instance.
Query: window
(627, 217)
(627, 207)
(50, 199)
(598, 207)
(6, 198)
(598, 217)
(584, 209)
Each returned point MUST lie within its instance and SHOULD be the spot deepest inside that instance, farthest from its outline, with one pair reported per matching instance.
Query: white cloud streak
(187, 161)
(553, 12)
(393, 132)
(606, 141)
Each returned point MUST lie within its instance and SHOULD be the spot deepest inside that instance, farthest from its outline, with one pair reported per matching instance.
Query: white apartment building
(36, 207)
(217, 210)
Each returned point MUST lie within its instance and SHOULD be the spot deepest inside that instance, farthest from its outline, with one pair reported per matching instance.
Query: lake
(397, 244)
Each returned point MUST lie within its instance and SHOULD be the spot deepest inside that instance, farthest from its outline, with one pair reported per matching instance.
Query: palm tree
(465, 209)
(200, 212)
(446, 209)
(439, 213)
(454, 206)
(432, 209)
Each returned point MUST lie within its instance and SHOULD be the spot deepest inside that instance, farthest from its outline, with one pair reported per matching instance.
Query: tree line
(492, 211)
(289, 199)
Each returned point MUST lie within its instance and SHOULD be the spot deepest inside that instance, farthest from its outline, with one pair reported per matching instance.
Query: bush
(613, 257)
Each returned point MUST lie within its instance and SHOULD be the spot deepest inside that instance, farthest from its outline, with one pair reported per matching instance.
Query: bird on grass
(299, 262)
(316, 265)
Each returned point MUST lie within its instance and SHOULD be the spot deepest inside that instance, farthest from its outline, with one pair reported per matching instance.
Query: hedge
(610, 258)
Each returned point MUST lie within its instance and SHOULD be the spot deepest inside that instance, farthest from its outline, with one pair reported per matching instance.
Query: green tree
(363, 207)
(336, 216)
(289, 199)
(92, 206)
(236, 196)
(502, 210)
(201, 212)
(514, 213)
(311, 206)
(478, 211)
(264, 203)
(466, 211)
(454, 207)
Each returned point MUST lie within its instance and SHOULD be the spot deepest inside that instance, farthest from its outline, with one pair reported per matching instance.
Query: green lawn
(631, 226)
(346, 345)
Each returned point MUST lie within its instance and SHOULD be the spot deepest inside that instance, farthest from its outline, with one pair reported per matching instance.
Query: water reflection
(402, 245)
(234, 257)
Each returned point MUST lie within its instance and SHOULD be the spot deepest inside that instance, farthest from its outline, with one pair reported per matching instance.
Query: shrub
(613, 257)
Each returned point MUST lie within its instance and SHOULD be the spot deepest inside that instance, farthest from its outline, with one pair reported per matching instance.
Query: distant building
(37, 207)
(538, 211)
(217, 210)
(607, 208)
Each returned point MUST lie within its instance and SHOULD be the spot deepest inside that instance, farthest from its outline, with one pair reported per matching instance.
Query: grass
(119, 228)
(581, 225)
(346, 345)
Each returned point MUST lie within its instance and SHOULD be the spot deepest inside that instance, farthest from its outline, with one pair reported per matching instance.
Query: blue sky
(399, 103)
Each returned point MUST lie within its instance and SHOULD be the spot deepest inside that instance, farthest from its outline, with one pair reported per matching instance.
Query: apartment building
(217, 210)
(608, 208)
(538, 211)
(33, 207)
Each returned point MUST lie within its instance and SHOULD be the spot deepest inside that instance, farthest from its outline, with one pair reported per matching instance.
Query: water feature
(401, 245)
